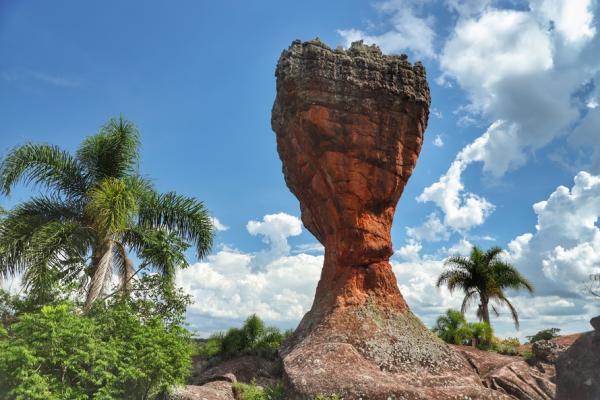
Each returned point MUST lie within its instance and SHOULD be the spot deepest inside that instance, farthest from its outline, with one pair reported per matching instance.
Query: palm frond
(112, 205)
(459, 262)
(56, 250)
(506, 276)
(184, 216)
(470, 297)
(45, 165)
(492, 254)
(113, 152)
(163, 251)
(28, 234)
(513, 310)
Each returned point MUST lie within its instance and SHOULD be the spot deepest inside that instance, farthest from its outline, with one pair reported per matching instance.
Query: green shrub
(251, 391)
(546, 334)
(481, 334)
(508, 346)
(130, 348)
(254, 337)
(453, 328)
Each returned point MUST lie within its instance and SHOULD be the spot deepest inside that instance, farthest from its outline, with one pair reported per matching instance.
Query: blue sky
(514, 116)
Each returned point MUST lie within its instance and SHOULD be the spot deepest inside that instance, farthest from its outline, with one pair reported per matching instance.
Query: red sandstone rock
(512, 375)
(349, 127)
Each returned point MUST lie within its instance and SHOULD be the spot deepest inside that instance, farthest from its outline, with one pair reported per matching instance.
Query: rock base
(364, 352)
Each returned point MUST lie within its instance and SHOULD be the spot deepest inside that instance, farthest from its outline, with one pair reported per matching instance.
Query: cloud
(462, 211)
(565, 247)
(309, 248)
(572, 19)
(462, 248)
(409, 31)
(522, 71)
(432, 230)
(39, 76)
(274, 229)
(219, 227)
(467, 8)
(438, 142)
(273, 283)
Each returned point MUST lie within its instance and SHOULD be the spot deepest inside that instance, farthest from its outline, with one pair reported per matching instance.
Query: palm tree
(485, 276)
(452, 327)
(95, 211)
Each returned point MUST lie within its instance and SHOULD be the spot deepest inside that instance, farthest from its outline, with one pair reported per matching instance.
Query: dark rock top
(361, 70)
(595, 322)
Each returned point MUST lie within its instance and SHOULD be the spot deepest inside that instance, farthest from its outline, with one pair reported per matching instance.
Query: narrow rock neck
(344, 286)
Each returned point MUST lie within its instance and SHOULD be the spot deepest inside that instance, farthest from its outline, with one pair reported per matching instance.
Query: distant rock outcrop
(578, 368)
(512, 375)
(349, 126)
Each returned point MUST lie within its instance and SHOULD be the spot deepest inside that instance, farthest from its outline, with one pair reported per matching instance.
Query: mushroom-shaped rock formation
(349, 126)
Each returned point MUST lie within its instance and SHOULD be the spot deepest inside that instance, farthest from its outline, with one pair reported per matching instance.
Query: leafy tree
(96, 209)
(546, 334)
(111, 352)
(483, 276)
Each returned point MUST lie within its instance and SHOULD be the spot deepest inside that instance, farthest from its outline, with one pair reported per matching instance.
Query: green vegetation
(485, 276)
(254, 337)
(128, 348)
(545, 334)
(96, 209)
(508, 346)
(453, 328)
(251, 391)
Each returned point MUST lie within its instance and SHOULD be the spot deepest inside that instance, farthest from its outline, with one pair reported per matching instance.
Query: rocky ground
(512, 377)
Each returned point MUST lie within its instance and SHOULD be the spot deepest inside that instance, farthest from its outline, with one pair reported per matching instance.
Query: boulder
(547, 351)
(578, 368)
(245, 369)
(512, 375)
(349, 125)
(218, 390)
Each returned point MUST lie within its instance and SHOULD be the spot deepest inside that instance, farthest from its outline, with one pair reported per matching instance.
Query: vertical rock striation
(349, 126)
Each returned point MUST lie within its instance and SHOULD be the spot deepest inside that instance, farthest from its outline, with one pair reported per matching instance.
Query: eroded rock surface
(512, 375)
(349, 126)
(247, 368)
(578, 368)
(218, 390)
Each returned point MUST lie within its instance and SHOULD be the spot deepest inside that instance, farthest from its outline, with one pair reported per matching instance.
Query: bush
(508, 346)
(453, 328)
(545, 334)
(116, 351)
(481, 334)
(254, 337)
(251, 391)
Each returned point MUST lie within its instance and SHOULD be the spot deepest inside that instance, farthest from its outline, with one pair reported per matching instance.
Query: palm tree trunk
(101, 268)
(485, 310)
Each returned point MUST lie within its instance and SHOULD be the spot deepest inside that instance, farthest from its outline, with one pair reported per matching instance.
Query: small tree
(483, 276)
(452, 328)
(593, 286)
(546, 334)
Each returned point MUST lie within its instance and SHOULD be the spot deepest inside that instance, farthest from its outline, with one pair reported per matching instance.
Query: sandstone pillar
(349, 126)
